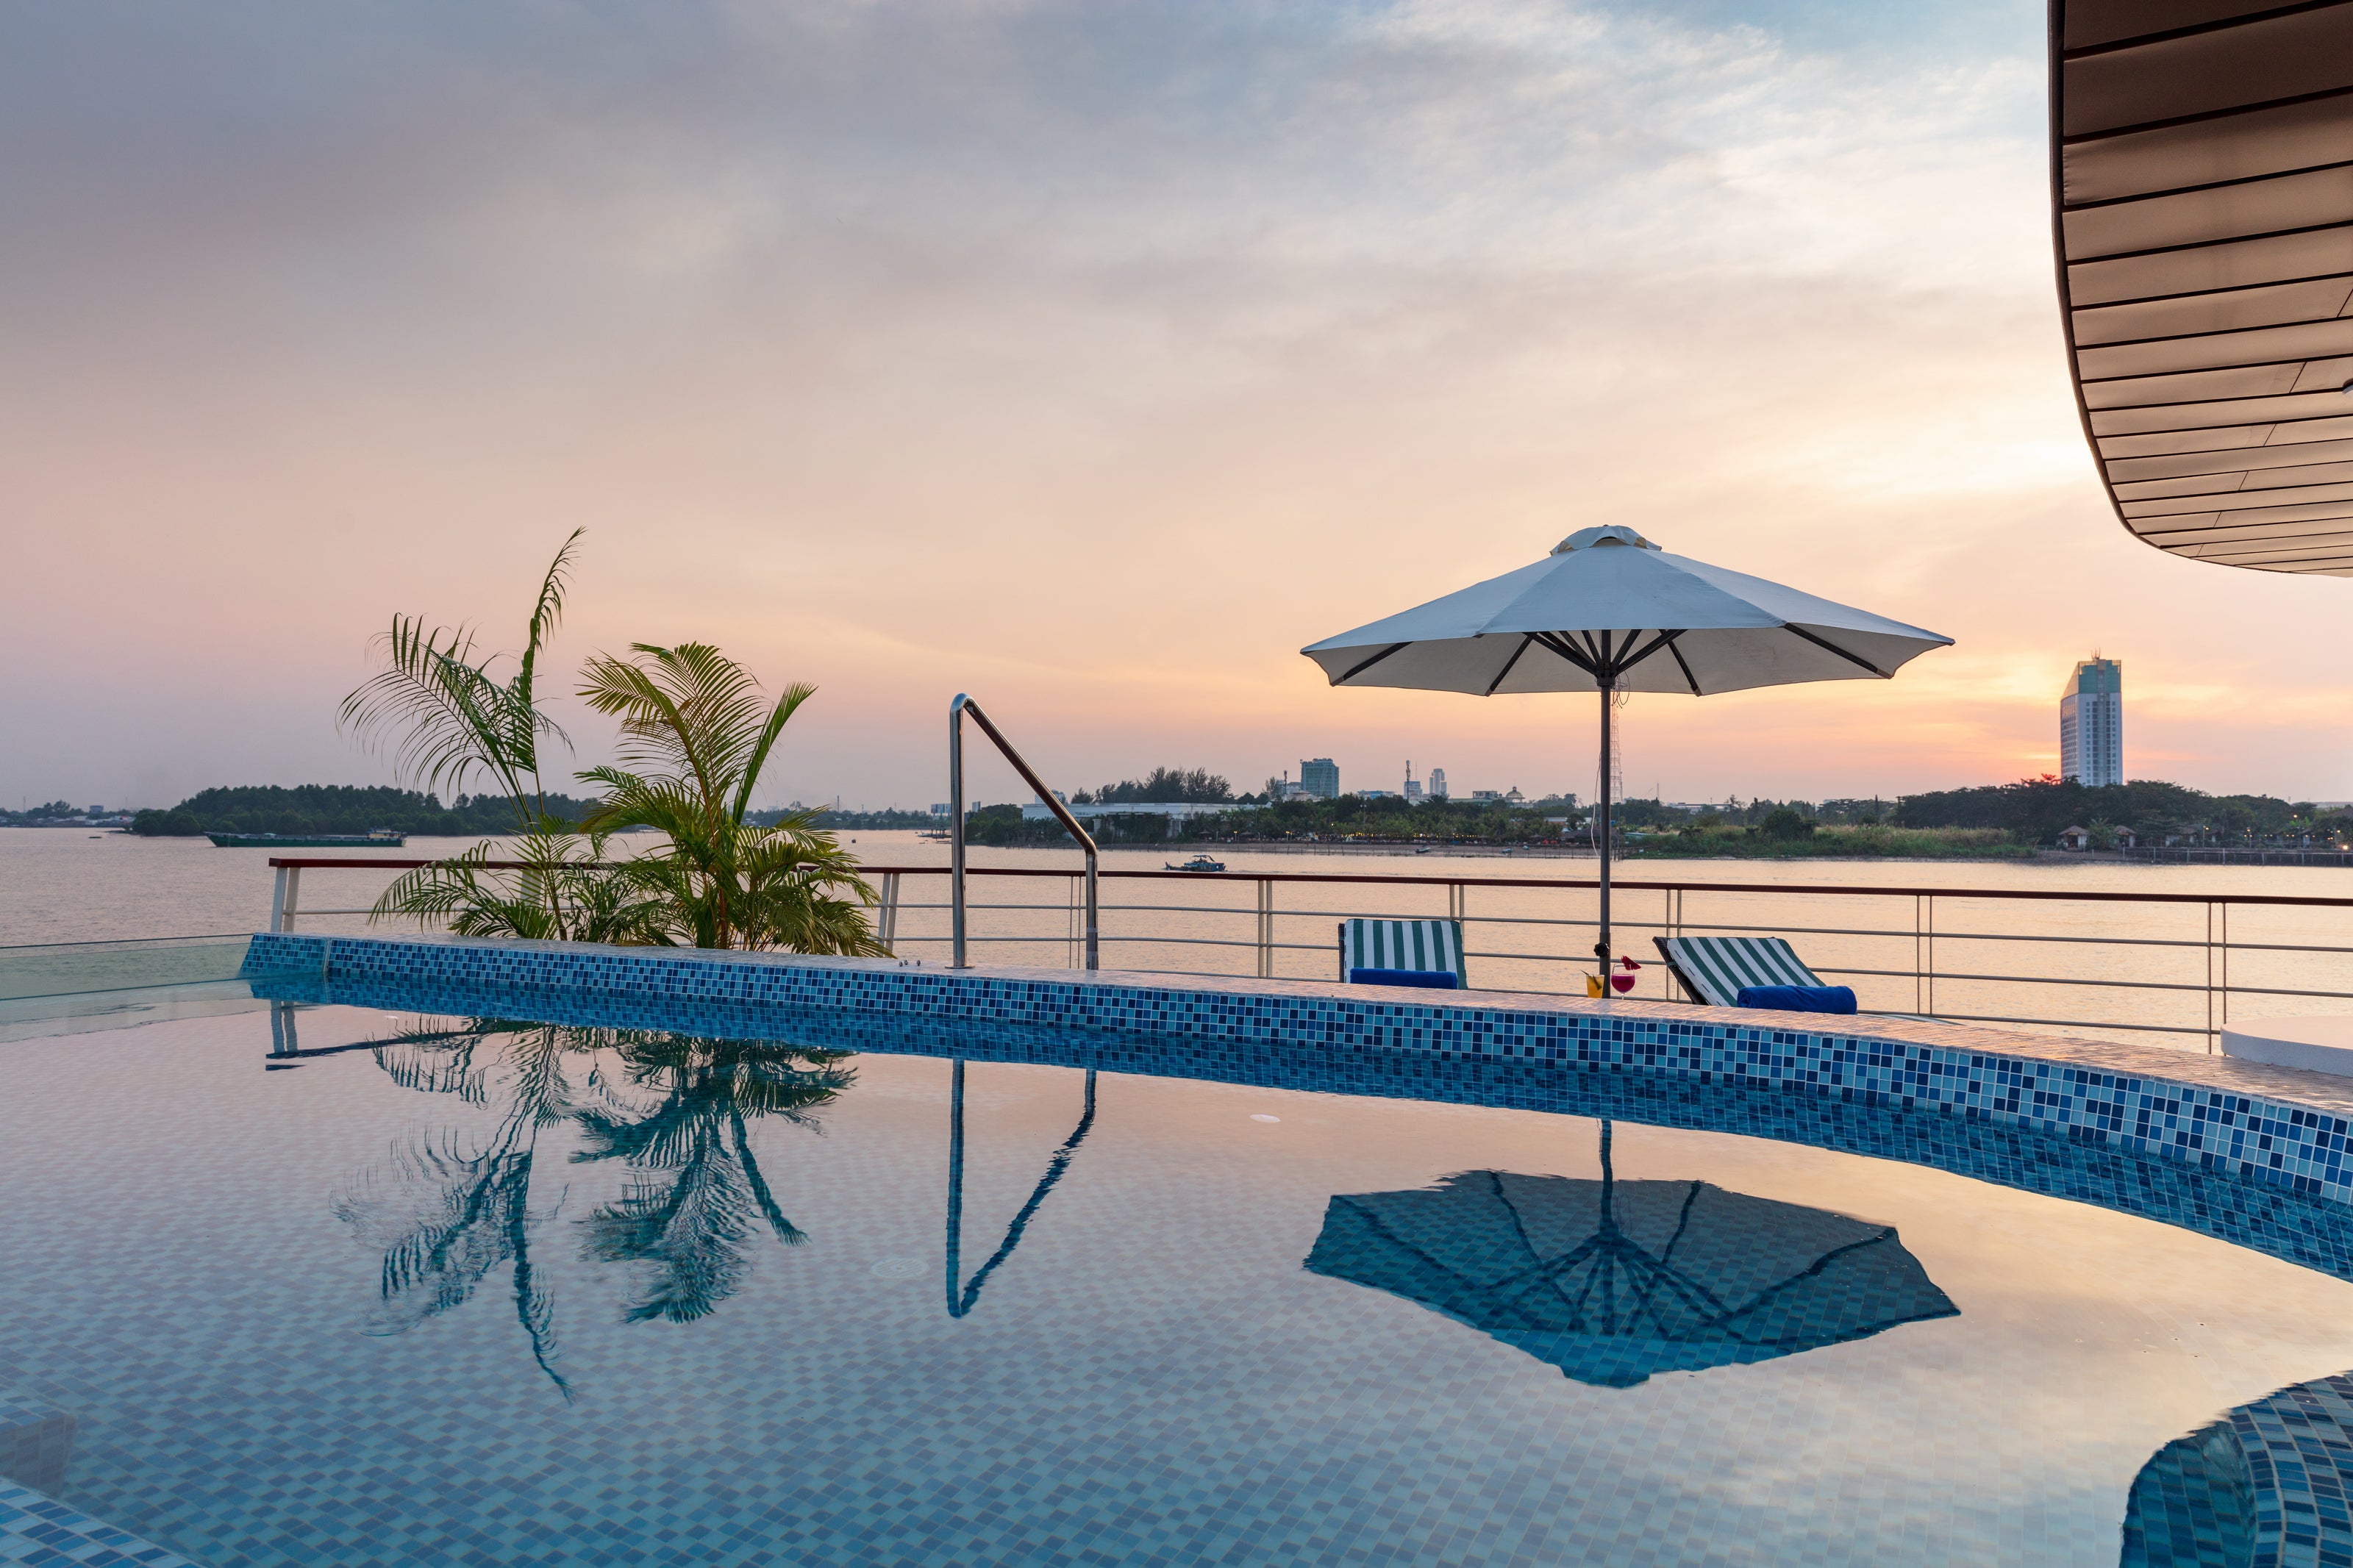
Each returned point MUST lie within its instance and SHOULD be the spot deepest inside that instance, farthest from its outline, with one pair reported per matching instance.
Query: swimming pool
(338, 1285)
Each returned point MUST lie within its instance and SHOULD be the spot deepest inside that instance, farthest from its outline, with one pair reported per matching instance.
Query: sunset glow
(1089, 359)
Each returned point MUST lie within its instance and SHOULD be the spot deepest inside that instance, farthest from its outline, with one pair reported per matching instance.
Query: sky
(1089, 358)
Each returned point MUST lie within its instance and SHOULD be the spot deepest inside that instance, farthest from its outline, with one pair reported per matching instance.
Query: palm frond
(786, 705)
(452, 718)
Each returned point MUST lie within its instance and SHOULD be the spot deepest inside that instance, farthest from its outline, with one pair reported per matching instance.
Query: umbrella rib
(1351, 675)
(1811, 1272)
(1826, 643)
(1688, 678)
(1664, 639)
(1524, 639)
(1567, 650)
(1457, 1276)
(1520, 1229)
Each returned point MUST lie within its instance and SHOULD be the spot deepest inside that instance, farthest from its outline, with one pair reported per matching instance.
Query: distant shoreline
(1548, 852)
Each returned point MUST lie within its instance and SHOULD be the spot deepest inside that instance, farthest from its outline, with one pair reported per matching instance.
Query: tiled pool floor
(285, 1311)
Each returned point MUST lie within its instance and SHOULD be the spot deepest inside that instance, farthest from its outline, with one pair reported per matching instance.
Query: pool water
(529, 1294)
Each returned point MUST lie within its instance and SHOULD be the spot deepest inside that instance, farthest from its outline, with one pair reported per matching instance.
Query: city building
(1320, 776)
(1438, 783)
(1412, 785)
(2092, 723)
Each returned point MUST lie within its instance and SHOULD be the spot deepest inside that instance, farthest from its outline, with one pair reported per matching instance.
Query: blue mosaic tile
(2263, 1487)
(2148, 1108)
(38, 1531)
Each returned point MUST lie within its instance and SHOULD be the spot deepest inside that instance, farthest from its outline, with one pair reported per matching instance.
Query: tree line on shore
(303, 809)
(2016, 817)
(1986, 820)
(344, 808)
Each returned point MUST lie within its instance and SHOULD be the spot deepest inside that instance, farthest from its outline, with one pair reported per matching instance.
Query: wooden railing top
(1821, 888)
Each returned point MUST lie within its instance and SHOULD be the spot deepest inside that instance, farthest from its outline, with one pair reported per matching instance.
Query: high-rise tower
(2092, 723)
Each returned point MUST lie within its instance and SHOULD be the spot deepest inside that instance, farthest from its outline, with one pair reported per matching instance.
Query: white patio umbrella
(1608, 611)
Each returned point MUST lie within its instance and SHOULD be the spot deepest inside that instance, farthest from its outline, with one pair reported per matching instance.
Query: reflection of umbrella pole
(1601, 821)
(961, 1300)
(1608, 1178)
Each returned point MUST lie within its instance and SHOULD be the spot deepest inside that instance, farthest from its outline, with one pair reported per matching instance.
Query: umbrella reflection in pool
(1612, 1282)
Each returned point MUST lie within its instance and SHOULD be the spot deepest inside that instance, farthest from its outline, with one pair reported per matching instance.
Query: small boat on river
(382, 838)
(1198, 863)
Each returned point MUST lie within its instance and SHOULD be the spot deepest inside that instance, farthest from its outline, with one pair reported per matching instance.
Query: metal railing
(2167, 964)
(285, 894)
(2207, 986)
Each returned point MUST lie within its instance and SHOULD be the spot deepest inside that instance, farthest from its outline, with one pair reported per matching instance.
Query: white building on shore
(1037, 811)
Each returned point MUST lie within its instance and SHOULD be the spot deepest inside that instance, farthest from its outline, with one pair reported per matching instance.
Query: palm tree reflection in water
(446, 1211)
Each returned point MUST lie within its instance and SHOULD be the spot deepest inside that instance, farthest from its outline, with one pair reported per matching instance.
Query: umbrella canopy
(1612, 1281)
(1608, 611)
(1608, 608)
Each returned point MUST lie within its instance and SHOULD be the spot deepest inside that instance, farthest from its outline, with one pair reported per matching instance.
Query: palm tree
(696, 733)
(456, 722)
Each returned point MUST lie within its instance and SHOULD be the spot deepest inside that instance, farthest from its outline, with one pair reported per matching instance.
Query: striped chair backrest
(1402, 944)
(1716, 967)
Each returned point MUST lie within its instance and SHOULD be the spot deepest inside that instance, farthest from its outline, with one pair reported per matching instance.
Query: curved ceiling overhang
(2203, 208)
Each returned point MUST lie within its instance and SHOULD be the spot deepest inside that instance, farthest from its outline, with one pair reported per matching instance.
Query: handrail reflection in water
(962, 1300)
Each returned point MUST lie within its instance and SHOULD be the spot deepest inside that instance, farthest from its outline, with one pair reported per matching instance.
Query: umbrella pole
(1601, 825)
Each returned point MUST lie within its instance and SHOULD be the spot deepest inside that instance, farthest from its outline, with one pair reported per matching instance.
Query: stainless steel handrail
(957, 710)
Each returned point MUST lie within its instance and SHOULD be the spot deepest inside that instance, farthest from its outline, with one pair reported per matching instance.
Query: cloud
(1100, 357)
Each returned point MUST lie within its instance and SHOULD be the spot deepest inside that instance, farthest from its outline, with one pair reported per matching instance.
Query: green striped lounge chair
(1714, 968)
(1403, 953)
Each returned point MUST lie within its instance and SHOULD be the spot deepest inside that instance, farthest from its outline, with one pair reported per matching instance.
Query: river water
(65, 885)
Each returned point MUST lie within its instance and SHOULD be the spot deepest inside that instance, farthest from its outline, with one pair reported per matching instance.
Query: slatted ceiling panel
(2235, 264)
(2255, 462)
(2090, 23)
(2203, 179)
(2263, 141)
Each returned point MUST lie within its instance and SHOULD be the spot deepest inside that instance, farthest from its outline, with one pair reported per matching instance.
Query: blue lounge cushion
(1798, 998)
(1435, 979)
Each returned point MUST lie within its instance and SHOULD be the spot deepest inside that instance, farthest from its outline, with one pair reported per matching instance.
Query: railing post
(1919, 963)
(2211, 1040)
(955, 834)
(278, 902)
(1094, 951)
(1924, 955)
(286, 910)
(1931, 1009)
(2226, 964)
(886, 919)
(1265, 928)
